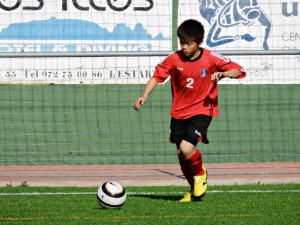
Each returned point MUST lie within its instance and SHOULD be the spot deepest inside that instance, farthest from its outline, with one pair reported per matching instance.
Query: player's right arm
(147, 91)
(161, 73)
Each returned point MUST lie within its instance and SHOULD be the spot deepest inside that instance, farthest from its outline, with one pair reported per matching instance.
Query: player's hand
(139, 102)
(216, 76)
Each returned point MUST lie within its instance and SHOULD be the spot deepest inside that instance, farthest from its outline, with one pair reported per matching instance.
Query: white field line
(146, 193)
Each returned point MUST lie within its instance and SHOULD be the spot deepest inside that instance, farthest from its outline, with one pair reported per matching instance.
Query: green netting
(96, 124)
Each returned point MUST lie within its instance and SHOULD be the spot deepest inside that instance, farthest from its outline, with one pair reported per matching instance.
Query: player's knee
(186, 148)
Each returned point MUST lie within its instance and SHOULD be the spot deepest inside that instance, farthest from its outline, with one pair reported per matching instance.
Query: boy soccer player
(194, 73)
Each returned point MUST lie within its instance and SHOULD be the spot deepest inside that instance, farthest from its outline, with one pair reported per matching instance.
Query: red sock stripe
(195, 162)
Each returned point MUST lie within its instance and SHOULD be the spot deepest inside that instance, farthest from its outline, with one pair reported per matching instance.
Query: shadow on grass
(159, 197)
(164, 197)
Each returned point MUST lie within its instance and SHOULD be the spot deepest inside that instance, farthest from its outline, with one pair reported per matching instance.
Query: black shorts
(192, 130)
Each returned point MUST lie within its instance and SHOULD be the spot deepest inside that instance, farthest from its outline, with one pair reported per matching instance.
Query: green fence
(96, 124)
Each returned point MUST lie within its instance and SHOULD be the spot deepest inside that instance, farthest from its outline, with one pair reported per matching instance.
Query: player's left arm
(233, 73)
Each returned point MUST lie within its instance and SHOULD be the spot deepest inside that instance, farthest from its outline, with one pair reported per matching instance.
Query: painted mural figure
(223, 14)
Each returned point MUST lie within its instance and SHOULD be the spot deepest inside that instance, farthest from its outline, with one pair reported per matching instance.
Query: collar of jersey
(198, 57)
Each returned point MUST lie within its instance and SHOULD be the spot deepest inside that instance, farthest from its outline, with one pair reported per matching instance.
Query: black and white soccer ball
(111, 195)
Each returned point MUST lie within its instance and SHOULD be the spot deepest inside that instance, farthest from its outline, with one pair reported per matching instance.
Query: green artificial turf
(255, 204)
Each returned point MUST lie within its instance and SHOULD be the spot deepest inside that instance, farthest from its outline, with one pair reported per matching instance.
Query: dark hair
(191, 30)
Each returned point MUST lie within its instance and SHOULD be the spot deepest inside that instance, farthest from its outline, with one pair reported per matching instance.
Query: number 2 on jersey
(190, 82)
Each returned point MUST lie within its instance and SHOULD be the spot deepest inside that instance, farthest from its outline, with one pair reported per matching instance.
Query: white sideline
(145, 193)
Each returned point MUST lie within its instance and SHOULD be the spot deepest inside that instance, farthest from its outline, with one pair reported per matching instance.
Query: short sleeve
(163, 70)
(224, 63)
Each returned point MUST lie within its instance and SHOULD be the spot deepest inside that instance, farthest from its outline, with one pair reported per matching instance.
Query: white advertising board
(246, 25)
(141, 25)
(85, 26)
(41, 26)
(90, 70)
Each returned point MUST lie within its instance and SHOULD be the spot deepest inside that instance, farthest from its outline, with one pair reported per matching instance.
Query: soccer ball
(111, 195)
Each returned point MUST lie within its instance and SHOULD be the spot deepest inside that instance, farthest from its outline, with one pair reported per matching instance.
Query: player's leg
(186, 169)
(186, 134)
(189, 176)
(195, 132)
(178, 129)
(193, 158)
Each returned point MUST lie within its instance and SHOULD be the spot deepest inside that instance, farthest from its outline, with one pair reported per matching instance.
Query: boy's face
(190, 48)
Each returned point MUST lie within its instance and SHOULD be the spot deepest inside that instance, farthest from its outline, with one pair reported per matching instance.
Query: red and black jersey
(192, 89)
